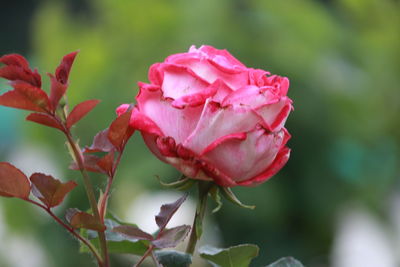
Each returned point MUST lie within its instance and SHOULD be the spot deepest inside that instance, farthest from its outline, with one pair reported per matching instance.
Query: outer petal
(177, 123)
(209, 71)
(216, 122)
(243, 159)
(276, 166)
(181, 81)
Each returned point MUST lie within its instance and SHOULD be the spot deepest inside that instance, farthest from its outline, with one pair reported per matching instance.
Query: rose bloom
(213, 118)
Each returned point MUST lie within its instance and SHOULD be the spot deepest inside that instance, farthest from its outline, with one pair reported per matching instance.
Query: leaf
(236, 256)
(286, 262)
(57, 90)
(15, 99)
(80, 110)
(172, 258)
(62, 71)
(13, 182)
(170, 238)
(50, 190)
(106, 163)
(18, 69)
(214, 193)
(117, 243)
(34, 94)
(80, 219)
(167, 211)
(101, 143)
(229, 195)
(89, 163)
(133, 232)
(119, 130)
(14, 60)
(45, 119)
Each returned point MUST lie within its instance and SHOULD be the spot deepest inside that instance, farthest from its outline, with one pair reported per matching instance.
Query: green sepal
(183, 184)
(229, 195)
(214, 193)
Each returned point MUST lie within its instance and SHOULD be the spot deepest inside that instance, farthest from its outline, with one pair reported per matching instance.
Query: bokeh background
(336, 203)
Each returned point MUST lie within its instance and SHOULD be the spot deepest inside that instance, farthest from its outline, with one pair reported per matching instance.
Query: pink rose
(212, 118)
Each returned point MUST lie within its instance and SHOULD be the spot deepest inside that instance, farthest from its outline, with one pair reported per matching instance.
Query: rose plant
(220, 123)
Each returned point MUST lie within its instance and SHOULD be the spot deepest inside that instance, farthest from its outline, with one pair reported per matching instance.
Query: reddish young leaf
(119, 131)
(62, 71)
(167, 211)
(57, 90)
(100, 143)
(50, 190)
(36, 95)
(80, 111)
(13, 182)
(80, 219)
(170, 238)
(44, 119)
(18, 69)
(106, 163)
(15, 99)
(132, 232)
(14, 60)
(90, 164)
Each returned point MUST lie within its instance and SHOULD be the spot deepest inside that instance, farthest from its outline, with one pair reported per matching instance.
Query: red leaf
(13, 182)
(80, 219)
(57, 90)
(44, 119)
(106, 163)
(132, 232)
(100, 143)
(15, 60)
(18, 69)
(80, 111)
(119, 131)
(50, 190)
(167, 211)
(15, 99)
(62, 71)
(34, 94)
(170, 238)
(90, 164)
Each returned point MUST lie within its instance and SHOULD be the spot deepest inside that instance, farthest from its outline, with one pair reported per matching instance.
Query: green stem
(204, 188)
(90, 193)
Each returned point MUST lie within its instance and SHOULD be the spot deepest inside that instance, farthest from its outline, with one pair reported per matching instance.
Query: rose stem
(195, 235)
(71, 230)
(90, 193)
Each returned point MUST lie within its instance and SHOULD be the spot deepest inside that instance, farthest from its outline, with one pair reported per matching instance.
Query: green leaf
(172, 258)
(286, 262)
(236, 256)
(170, 238)
(229, 195)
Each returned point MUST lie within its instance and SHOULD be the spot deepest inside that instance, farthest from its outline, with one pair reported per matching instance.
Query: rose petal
(216, 122)
(280, 161)
(177, 123)
(252, 154)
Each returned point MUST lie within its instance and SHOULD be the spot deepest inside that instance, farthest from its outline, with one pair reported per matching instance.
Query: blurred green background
(343, 61)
